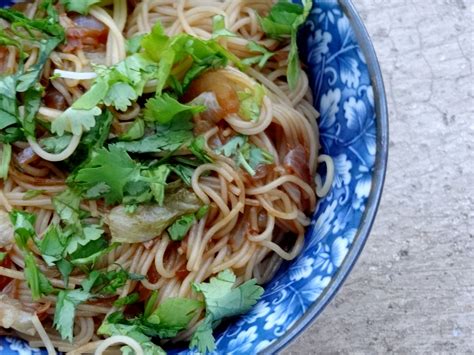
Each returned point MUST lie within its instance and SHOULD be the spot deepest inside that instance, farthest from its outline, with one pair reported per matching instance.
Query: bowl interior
(348, 93)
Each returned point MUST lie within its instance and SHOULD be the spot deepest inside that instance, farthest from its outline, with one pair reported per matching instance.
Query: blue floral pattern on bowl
(344, 95)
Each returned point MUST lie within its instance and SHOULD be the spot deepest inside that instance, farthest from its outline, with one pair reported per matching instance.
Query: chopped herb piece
(150, 303)
(134, 332)
(163, 109)
(135, 131)
(179, 229)
(107, 283)
(75, 121)
(65, 312)
(198, 148)
(184, 172)
(37, 281)
(202, 212)
(77, 240)
(219, 29)
(134, 44)
(222, 300)
(5, 160)
(53, 244)
(260, 59)
(251, 102)
(56, 144)
(23, 226)
(67, 205)
(129, 299)
(157, 143)
(112, 167)
(283, 21)
(173, 316)
(158, 178)
(246, 155)
(80, 6)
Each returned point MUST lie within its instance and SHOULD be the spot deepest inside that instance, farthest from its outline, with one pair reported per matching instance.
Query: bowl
(348, 89)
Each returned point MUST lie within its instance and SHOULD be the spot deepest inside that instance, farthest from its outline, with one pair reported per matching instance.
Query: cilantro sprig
(222, 300)
(246, 155)
(24, 231)
(96, 284)
(80, 6)
(283, 21)
(43, 32)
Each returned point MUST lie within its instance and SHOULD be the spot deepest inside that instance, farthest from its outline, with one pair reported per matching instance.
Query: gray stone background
(412, 290)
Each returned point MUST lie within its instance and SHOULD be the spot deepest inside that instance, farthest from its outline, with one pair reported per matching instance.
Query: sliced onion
(75, 75)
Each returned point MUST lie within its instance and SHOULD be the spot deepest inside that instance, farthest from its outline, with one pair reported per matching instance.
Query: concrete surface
(412, 291)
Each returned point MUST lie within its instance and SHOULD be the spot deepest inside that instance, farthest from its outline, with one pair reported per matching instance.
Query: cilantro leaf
(107, 283)
(222, 300)
(232, 146)
(165, 108)
(156, 42)
(112, 167)
(53, 244)
(97, 283)
(96, 136)
(37, 281)
(55, 144)
(218, 28)
(246, 155)
(80, 6)
(158, 178)
(89, 253)
(23, 227)
(31, 107)
(94, 139)
(202, 338)
(157, 143)
(12, 134)
(117, 86)
(260, 59)
(179, 229)
(198, 148)
(135, 131)
(123, 83)
(75, 121)
(169, 52)
(67, 206)
(251, 102)
(134, 332)
(43, 33)
(283, 21)
(65, 267)
(134, 44)
(120, 95)
(8, 104)
(3, 255)
(184, 172)
(129, 299)
(5, 160)
(202, 212)
(173, 315)
(64, 314)
(89, 233)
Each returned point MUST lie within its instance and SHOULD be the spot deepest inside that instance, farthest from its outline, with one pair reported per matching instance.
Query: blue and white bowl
(348, 89)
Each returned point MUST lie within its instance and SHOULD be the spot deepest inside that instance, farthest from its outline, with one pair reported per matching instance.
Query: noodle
(255, 219)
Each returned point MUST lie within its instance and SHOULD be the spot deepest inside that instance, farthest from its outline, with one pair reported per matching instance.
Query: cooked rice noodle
(252, 225)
